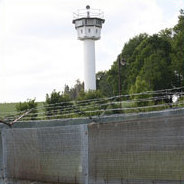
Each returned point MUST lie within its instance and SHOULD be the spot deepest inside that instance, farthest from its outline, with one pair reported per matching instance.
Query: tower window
(96, 30)
(98, 22)
(81, 31)
(89, 30)
(90, 22)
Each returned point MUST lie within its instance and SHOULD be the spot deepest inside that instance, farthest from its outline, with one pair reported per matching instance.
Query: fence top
(105, 119)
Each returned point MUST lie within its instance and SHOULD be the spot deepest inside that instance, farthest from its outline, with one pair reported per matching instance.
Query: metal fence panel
(140, 151)
(52, 155)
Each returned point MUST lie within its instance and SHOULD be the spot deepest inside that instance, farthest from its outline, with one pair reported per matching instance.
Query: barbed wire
(79, 103)
(118, 96)
(99, 111)
(100, 106)
(113, 109)
(89, 105)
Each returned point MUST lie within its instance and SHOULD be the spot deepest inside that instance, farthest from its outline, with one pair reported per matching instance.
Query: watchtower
(88, 23)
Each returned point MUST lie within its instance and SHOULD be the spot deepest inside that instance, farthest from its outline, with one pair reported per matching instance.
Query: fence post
(4, 154)
(84, 154)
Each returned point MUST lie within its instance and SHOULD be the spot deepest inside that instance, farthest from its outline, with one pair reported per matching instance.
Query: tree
(153, 62)
(89, 95)
(128, 73)
(73, 93)
(28, 105)
(56, 104)
(139, 88)
(178, 51)
(103, 85)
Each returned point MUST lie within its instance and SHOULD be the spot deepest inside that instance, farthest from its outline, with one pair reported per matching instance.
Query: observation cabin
(88, 23)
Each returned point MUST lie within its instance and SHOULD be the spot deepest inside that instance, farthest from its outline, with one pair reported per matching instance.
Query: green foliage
(103, 85)
(152, 63)
(59, 105)
(90, 95)
(7, 110)
(55, 104)
(7, 107)
(25, 106)
(86, 103)
(178, 51)
(140, 86)
(73, 93)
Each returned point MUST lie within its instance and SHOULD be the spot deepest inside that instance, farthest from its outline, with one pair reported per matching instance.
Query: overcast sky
(39, 50)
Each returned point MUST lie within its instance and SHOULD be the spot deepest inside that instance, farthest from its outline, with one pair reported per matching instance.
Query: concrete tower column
(89, 65)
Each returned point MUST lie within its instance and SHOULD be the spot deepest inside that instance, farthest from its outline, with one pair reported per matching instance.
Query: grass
(9, 109)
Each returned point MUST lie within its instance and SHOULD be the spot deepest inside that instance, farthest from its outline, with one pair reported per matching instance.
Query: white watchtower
(88, 24)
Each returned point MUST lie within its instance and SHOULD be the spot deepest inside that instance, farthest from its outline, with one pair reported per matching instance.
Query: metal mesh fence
(140, 151)
(52, 155)
(148, 149)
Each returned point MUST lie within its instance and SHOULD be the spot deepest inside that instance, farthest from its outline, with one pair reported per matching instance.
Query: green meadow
(9, 109)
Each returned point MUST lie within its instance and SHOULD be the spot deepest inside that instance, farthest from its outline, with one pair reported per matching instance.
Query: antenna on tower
(88, 13)
(87, 7)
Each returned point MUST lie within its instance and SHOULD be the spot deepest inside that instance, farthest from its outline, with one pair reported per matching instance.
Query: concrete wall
(138, 148)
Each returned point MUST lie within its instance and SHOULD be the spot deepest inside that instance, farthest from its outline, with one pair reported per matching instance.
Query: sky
(39, 50)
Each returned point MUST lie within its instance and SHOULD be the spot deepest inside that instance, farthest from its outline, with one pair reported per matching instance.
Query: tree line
(153, 62)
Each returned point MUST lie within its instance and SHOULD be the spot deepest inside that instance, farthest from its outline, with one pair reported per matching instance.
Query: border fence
(143, 148)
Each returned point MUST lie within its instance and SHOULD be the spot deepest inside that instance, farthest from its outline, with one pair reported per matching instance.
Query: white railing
(82, 13)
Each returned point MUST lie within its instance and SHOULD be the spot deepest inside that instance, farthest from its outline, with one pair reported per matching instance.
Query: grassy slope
(7, 109)
(10, 108)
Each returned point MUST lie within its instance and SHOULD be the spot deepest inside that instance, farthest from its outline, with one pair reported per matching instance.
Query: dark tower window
(98, 22)
(89, 30)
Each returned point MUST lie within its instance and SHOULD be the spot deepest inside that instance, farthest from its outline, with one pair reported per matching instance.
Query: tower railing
(92, 13)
